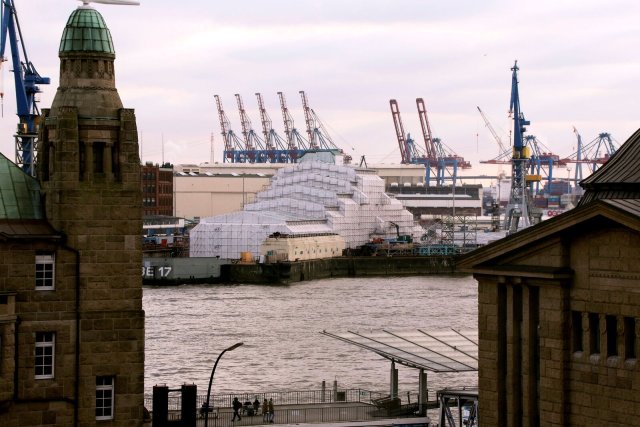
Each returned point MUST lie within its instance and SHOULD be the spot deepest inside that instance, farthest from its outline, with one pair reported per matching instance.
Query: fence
(304, 397)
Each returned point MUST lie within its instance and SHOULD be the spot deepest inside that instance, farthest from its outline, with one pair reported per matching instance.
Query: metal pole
(206, 408)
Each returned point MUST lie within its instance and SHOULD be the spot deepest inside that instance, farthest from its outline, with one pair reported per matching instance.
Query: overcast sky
(578, 67)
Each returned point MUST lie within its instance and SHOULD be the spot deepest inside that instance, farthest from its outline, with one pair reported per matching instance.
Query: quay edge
(178, 271)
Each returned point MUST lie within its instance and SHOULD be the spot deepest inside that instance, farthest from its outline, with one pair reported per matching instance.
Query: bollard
(160, 406)
(189, 405)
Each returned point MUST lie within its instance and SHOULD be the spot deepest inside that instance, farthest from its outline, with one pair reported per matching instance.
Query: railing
(305, 397)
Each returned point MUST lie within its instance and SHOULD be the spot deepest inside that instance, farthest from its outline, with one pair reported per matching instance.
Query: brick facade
(89, 176)
(559, 320)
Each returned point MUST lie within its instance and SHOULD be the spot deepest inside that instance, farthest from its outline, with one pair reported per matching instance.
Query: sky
(577, 59)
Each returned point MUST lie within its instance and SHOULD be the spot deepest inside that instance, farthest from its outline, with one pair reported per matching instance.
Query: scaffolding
(307, 197)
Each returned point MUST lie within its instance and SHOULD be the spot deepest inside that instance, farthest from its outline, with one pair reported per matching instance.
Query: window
(576, 323)
(594, 333)
(45, 354)
(630, 338)
(104, 398)
(612, 335)
(45, 269)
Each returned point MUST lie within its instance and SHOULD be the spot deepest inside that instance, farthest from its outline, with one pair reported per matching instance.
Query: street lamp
(206, 411)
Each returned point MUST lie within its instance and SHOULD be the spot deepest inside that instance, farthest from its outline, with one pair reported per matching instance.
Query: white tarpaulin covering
(307, 198)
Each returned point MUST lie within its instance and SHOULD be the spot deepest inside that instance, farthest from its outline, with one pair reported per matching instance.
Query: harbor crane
(275, 145)
(319, 138)
(518, 207)
(252, 148)
(26, 80)
(504, 155)
(542, 164)
(296, 142)
(446, 159)
(253, 144)
(437, 160)
(594, 154)
(234, 147)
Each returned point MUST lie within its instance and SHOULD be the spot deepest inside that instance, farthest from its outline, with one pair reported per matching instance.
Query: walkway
(330, 414)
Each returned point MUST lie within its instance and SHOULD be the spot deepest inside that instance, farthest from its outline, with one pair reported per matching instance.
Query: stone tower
(90, 177)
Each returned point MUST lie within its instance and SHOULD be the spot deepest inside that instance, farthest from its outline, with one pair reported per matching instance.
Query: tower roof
(19, 193)
(86, 31)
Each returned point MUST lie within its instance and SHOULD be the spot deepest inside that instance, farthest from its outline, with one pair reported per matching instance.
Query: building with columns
(71, 318)
(559, 310)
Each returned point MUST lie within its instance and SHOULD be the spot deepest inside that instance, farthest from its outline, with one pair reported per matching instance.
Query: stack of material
(311, 197)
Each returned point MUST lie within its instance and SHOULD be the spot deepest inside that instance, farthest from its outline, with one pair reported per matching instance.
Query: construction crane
(26, 80)
(275, 146)
(518, 206)
(234, 147)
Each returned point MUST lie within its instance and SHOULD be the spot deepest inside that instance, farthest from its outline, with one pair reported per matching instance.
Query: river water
(188, 326)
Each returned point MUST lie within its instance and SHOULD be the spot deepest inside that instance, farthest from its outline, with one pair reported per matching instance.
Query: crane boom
(309, 121)
(400, 135)
(224, 125)
(493, 131)
(26, 80)
(267, 125)
(432, 153)
(288, 122)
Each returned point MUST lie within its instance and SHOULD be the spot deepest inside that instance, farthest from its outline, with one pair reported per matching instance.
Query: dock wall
(289, 272)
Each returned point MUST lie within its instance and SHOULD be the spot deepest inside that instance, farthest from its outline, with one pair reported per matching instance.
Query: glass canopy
(436, 351)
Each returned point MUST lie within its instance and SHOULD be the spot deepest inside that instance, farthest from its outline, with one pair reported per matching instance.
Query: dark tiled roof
(19, 193)
(619, 178)
(629, 205)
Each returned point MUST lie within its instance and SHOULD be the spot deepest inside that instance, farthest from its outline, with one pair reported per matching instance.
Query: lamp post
(206, 411)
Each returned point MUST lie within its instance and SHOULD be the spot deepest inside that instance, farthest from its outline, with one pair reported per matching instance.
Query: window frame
(107, 402)
(45, 263)
(46, 344)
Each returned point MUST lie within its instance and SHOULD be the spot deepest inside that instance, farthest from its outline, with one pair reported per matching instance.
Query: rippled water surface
(188, 326)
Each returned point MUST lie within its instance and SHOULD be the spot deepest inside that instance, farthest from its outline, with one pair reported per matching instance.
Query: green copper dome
(19, 193)
(86, 31)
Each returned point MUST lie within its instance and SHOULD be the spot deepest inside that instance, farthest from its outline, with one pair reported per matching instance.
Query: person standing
(256, 406)
(236, 407)
(265, 410)
(272, 414)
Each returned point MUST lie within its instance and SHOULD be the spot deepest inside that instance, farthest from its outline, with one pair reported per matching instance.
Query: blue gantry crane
(26, 80)
(518, 205)
(252, 148)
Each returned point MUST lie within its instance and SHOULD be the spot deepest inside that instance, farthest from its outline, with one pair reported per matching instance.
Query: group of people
(267, 409)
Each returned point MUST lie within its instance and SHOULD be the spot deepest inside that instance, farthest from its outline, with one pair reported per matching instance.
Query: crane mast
(26, 80)
(518, 205)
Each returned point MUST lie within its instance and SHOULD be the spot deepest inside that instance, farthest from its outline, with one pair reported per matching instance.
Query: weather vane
(121, 2)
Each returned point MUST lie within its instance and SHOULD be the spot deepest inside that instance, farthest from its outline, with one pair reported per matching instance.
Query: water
(188, 326)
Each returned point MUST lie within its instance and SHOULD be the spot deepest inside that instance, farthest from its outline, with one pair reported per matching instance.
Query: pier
(350, 407)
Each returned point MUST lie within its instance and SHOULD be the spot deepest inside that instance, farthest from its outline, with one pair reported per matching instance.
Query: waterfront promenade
(330, 414)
